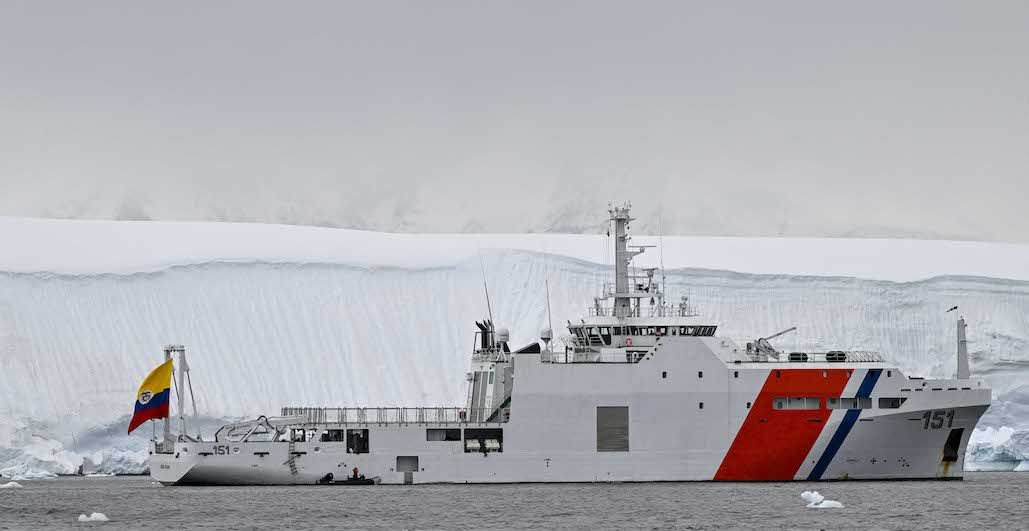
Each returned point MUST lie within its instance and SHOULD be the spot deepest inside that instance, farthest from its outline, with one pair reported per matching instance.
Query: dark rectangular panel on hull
(612, 428)
(950, 448)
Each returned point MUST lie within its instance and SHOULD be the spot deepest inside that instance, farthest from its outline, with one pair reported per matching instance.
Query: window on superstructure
(735, 374)
(664, 374)
(357, 441)
(848, 403)
(796, 402)
(700, 374)
(443, 434)
(701, 405)
(334, 436)
(890, 403)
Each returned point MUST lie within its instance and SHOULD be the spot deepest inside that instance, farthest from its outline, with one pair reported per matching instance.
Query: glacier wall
(74, 347)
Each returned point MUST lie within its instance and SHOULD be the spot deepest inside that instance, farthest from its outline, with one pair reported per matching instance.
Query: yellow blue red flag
(153, 397)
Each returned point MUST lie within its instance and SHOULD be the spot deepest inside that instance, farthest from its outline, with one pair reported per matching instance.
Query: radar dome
(546, 334)
(503, 335)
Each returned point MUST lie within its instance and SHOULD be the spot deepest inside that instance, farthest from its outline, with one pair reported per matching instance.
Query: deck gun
(761, 346)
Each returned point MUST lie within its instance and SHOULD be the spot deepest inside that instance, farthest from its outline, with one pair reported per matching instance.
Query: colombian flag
(153, 397)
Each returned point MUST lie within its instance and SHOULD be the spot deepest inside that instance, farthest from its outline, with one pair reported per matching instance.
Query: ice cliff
(276, 315)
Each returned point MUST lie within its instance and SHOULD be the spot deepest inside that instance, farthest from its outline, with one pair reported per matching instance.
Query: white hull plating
(552, 432)
(643, 393)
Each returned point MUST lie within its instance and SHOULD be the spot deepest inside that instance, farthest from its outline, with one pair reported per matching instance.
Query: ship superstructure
(643, 390)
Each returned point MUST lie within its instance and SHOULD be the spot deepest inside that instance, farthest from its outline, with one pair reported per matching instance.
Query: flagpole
(167, 420)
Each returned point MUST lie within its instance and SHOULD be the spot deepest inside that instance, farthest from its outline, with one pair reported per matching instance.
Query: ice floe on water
(29, 474)
(94, 517)
(817, 501)
(10, 485)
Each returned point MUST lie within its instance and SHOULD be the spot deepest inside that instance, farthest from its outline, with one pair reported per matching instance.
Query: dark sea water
(983, 500)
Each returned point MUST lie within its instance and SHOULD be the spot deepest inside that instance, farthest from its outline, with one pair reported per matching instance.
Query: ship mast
(623, 256)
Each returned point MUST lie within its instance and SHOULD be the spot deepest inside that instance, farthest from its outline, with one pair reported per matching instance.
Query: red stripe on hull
(772, 444)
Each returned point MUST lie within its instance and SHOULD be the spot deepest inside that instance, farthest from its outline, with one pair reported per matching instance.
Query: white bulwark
(645, 391)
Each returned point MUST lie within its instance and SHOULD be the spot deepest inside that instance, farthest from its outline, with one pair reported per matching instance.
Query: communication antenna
(482, 267)
(550, 320)
(661, 252)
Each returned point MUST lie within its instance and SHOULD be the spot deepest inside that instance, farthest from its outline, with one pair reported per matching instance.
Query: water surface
(995, 500)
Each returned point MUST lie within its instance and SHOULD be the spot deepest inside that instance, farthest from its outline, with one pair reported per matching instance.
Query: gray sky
(796, 118)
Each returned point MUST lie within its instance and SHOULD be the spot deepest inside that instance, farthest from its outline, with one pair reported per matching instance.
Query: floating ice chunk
(95, 517)
(817, 501)
(33, 474)
(11, 485)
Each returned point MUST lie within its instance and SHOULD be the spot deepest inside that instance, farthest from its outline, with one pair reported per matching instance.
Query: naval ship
(642, 390)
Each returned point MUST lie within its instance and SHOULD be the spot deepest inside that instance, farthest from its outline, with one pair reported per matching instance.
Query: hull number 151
(934, 420)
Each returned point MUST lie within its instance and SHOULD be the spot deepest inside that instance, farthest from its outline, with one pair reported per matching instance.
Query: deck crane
(761, 346)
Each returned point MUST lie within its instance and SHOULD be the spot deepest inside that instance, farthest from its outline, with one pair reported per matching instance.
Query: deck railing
(393, 415)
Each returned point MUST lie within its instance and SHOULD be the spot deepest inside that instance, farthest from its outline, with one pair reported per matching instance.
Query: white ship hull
(552, 434)
(642, 393)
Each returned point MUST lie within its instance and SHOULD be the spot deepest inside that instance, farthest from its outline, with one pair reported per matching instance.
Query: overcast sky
(750, 118)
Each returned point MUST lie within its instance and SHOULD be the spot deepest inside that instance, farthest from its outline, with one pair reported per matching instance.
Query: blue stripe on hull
(845, 426)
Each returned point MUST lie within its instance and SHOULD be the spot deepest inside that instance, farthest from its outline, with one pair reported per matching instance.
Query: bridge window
(891, 403)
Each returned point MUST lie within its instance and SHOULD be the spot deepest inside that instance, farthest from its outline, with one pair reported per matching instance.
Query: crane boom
(775, 335)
